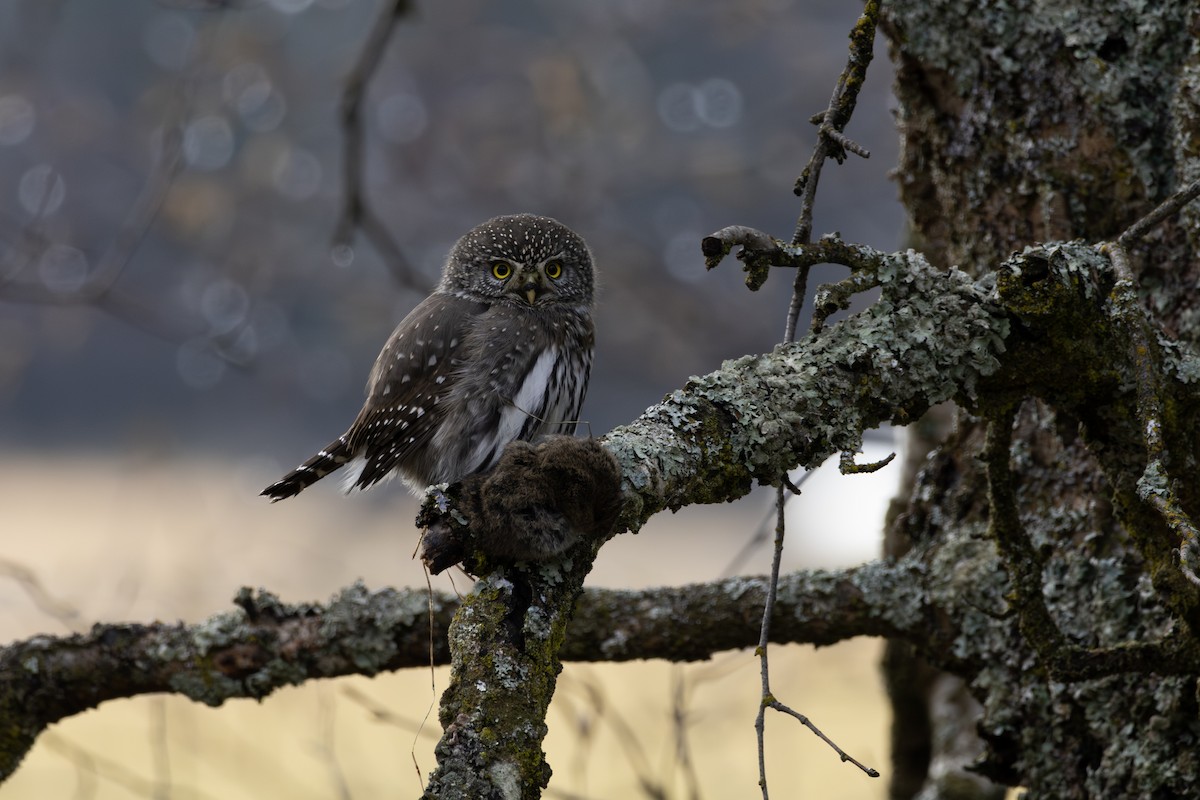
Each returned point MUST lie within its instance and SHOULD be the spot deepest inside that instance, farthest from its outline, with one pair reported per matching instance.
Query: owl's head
(522, 260)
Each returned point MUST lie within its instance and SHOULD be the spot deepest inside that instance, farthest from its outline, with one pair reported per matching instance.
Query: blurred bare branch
(100, 287)
(266, 644)
(381, 713)
(94, 769)
(160, 749)
(357, 210)
(326, 745)
(52, 606)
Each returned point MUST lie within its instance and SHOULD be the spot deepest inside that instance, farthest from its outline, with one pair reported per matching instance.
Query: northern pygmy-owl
(501, 351)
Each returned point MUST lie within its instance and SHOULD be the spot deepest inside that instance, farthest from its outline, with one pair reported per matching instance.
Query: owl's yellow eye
(501, 270)
(554, 270)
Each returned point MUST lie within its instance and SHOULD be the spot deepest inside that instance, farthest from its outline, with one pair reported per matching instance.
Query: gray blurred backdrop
(209, 309)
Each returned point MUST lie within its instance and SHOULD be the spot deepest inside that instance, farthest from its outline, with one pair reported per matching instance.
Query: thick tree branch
(266, 644)
(1037, 327)
(250, 652)
(932, 335)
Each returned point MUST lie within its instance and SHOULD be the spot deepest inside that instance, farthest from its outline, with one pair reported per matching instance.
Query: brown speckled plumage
(500, 351)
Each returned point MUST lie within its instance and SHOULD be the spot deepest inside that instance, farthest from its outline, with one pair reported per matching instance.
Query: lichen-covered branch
(933, 335)
(265, 644)
(1090, 350)
(1039, 326)
(1155, 486)
(1066, 661)
(689, 623)
(249, 652)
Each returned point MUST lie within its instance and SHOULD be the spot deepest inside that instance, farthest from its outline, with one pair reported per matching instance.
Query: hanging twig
(831, 143)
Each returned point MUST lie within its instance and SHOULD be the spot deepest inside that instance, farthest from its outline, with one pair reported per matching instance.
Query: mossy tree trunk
(1026, 122)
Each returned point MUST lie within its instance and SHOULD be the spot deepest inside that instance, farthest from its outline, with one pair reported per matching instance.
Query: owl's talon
(537, 503)
(441, 548)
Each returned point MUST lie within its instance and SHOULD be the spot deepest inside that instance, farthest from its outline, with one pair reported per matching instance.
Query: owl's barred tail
(332, 457)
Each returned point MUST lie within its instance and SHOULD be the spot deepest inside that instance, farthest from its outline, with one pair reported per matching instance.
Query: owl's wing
(408, 383)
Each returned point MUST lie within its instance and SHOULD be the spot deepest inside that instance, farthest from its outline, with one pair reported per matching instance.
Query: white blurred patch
(16, 119)
(837, 521)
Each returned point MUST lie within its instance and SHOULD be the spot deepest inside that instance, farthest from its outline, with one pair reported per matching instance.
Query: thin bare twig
(761, 251)
(764, 528)
(626, 735)
(1168, 208)
(848, 466)
(159, 748)
(326, 747)
(100, 289)
(764, 633)
(96, 768)
(65, 613)
(831, 143)
(806, 722)
(145, 208)
(680, 719)
(382, 714)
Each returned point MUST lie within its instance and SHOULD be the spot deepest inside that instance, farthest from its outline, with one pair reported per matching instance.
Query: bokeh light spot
(169, 40)
(63, 269)
(297, 174)
(401, 117)
(714, 103)
(208, 143)
(224, 305)
(677, 108)
(198, 365)
(719, 103)
(342, 255)
(16, 119)
(41, 190)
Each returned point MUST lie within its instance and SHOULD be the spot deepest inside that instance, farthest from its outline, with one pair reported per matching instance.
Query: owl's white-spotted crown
(506, 258)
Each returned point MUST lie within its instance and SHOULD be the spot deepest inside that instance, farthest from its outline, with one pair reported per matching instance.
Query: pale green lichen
(368, 642)
(1123, 49)
(506, 778)
(759, 416)
(217, 631)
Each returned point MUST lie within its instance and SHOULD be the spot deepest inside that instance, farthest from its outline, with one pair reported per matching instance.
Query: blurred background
(185, 314)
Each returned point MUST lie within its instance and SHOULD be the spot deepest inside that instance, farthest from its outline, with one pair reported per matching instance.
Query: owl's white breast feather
(528, 400)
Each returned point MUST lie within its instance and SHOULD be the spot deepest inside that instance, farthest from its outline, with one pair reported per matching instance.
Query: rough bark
(1025, 122)
(1037, 560)
(1113, 625)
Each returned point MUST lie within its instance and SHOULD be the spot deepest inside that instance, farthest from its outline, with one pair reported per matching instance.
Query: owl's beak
(529, 283)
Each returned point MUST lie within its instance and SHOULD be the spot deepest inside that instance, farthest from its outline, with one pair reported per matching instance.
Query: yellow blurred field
(137, 539)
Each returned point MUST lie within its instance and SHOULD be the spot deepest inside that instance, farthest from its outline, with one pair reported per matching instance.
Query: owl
(500, 351)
